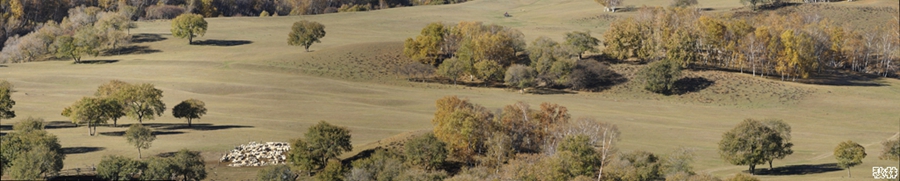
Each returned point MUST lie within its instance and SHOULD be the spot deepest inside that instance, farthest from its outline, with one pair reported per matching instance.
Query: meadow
(257, 88)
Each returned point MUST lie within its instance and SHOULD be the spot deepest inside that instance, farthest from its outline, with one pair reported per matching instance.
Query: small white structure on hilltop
(257, 154)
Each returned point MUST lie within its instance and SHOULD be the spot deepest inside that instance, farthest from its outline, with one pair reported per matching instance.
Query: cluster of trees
(137, 101)
(30, 152)
(85, 31)
(791, 46)
(183, 165)
(493, 53)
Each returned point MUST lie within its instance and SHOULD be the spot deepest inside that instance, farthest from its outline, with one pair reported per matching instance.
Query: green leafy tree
(114, 167)
(84, 42)
(188, 165)
(427, 46)
(140, 137)
(426, 150)
(582, 42)
(326, 141)
(142, 101)
(276, 173)
(6, 103)
(188, 26)
(636, 165)
(520, 76)
(749, 143)
(189, 109)
(158, 169)
(305, 33)
(890, 150)
(660, 76)
(584, 157)
(334, 171)
(453, 68)
(849, 154)
(779, 150)
(111, 90)
(91, 111)
(489, 71)
(301, 158)
(382, 165)
(30, 152)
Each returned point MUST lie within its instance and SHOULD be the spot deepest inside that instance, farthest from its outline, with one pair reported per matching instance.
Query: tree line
(790, 46)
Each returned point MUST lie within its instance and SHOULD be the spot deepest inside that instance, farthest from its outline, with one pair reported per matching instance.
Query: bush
(660, 76)
(426, 151)
(742, 177)
(453, 68)
(382, 165)
(276, 173)
(158, 169)
(416, 174)
(114, 167)
(333, 171)
(520, 76)
(163, 12)
(591, 75)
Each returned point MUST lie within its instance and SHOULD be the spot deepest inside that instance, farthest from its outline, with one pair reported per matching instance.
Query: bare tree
(603, 136)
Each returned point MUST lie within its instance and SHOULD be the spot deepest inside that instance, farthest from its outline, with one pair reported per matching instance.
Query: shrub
(333, 171)
(520, 76)
(163, 12)
(660, 76)
(114, 167)
(426, 150)
(382, 165)
(489, 70)
(416, 174)
(590, 75)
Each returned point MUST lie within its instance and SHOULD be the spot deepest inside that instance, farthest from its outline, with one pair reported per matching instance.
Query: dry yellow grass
(268, 91)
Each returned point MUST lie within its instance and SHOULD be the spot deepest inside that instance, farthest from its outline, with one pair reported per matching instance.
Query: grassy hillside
(259, 89)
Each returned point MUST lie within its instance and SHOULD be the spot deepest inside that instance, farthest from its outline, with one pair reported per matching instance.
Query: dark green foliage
(550, 60)
(158, 169)
(750, 143)
(276, 173)
(660, 76)
(142, 101)
(592, 75)
(301, 157)
(140, 137)
(188, 165)
(582, 42)
(328, 141)
(581, 156)
(849, 154)
(333, 171)
(453, 68)
(189, 109)
(426, 151)
(30, 152)
(6, 103)
(382, 165)
(489, 71)
(305, 33)
(114, 167)
(93, 112)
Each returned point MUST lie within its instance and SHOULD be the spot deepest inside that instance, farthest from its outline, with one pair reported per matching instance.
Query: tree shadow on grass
(691, 84)
(195, 126)
(842, 78)
(155, 133)
(97, 61)
(75, 177)
(800, 169)
(171, 154)
(59, 124)
(134, 49)
(81, 149)
(5, 127)
(222, 42)
(146, 38)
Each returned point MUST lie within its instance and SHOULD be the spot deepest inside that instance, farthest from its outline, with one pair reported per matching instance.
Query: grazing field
(257, 88)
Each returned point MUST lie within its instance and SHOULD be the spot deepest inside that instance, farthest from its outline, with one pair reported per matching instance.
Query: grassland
(259, 89)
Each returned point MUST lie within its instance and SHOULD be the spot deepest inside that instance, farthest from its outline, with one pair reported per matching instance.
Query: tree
(91, 111)
(301, 158)
(624, 39)
(30, 152)
(276, 173)
(796, 59)
(890, 150)
(660, 76)
(114, 167)
(326, 141)
(520, 76)
(779, 150)
(636, 165)
(305, 33)
(110, 91)
(427, 46)
(381, 165)
(6, 103)
(683, 3)
(188, 25)
(584, 156)
(189, 109)
(582, 42)
(489, 70)
(188, 165)
(142, 101)
(426, 151)
(849, 154)
(84, 42)
(158, 169)
(140, 137)
(462, 126)
(742, 177)
(453, 68)
(749, 143)
(591, 75)
(334, 171)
